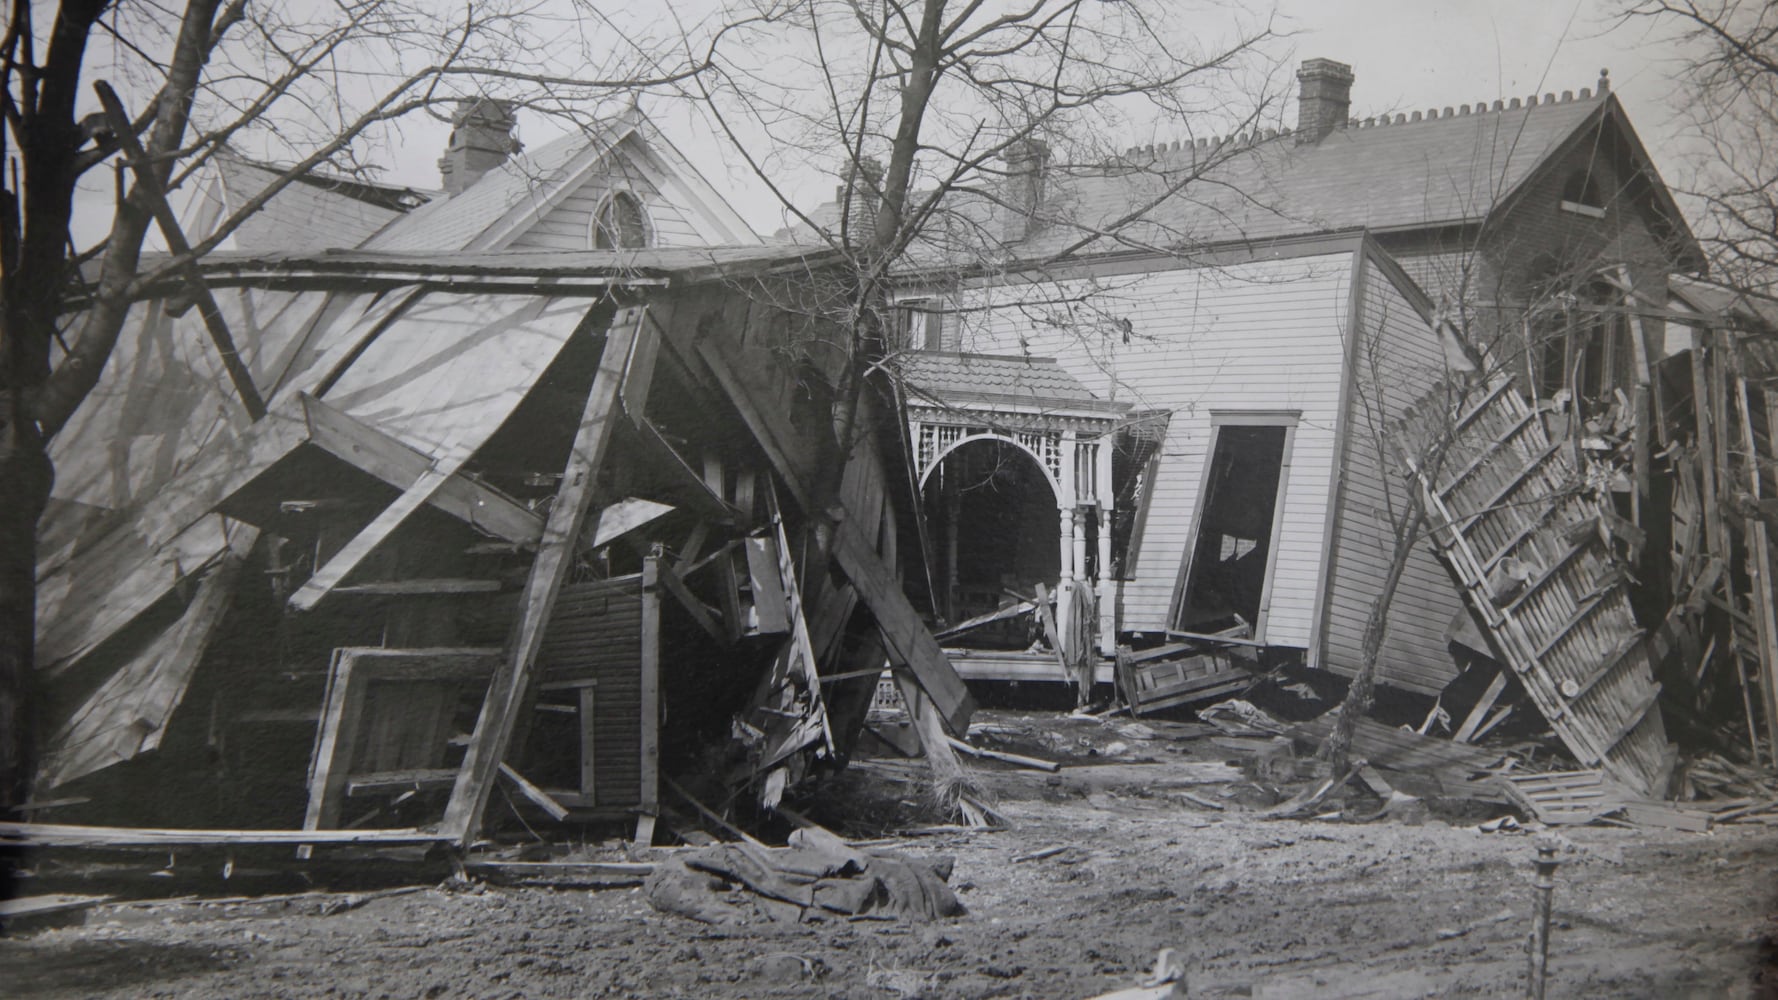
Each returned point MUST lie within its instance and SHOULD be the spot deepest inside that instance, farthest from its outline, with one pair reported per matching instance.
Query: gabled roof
(1445, 167)
(506, 200)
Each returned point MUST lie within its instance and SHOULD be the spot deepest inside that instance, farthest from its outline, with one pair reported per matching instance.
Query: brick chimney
(1027, 162)
(860, 194)
(1324, 100)
(481, 139)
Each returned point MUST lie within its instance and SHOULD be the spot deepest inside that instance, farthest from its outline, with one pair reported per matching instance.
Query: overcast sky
(1406, 55)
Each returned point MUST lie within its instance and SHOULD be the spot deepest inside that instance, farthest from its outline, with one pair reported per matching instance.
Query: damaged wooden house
(1195, 432)
(509, 502)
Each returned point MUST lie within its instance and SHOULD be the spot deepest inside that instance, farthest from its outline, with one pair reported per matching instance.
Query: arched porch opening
(992, 511)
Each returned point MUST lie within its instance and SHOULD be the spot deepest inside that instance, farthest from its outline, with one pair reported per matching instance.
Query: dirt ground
(1257, 908)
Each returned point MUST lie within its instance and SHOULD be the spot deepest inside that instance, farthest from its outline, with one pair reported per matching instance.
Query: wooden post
(555, 552)
(650, 706)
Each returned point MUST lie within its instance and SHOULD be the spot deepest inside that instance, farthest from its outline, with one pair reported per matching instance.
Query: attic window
(620, 223)
(1580, 195)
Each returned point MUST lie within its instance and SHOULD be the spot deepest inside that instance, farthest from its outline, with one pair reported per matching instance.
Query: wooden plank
(696, 608)
(532, 794)
(906, 635)
(650, 694)
(335, 744)
(768, 587)
(68, 835)
(375, 533)
(42, 906)
(1046, 614)
(587, 703)
(372, 451)
(387, 782)
(405, 588)
(626, 516)
(1468, 730)
(507, 694)
(1634, 719)
(728, 590)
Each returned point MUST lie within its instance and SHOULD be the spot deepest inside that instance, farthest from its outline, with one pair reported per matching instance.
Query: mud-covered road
(1257, 908)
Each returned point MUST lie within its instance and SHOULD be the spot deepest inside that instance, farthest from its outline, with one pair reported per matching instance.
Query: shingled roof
(959, 379)
(1419, 170)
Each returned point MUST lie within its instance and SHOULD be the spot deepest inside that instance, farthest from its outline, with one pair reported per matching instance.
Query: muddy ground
(1258, 908)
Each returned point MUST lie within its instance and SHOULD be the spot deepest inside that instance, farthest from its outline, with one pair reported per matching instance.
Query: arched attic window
(620, 223)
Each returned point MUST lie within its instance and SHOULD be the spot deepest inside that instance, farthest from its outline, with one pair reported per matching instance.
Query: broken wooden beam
(507, 694)
(372, 451)
(532, 794)
(1010, 758)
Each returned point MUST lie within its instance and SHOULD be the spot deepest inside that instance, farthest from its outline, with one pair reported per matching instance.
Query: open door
(1229, 563)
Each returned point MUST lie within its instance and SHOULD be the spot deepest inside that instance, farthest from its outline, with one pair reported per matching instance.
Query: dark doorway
(1226, 574)
(995, 530)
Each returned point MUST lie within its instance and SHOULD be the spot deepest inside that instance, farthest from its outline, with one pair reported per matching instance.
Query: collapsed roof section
(478, 427)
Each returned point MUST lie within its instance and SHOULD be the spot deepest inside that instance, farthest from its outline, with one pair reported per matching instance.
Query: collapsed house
(504, 507)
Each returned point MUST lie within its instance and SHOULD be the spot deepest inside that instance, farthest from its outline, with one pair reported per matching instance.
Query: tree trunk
(25, 478)
(1357, 704)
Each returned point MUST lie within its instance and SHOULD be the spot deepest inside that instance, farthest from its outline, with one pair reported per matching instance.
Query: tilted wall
(1254, 337)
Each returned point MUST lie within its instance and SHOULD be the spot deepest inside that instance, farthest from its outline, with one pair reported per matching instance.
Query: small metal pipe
(1539, 943)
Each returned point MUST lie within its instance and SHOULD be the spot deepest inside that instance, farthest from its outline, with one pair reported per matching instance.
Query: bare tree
(313, 86)
(1729, 72)
(927, 109)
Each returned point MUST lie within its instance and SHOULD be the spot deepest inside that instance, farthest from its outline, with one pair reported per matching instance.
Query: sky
(1406, 56)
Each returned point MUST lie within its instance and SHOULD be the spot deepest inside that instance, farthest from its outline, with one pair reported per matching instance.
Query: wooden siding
(1398, 356)
(1254, 337)
(568, 225)
(596, 633)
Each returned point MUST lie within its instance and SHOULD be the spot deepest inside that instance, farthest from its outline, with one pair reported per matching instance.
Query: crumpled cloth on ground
(816, 871)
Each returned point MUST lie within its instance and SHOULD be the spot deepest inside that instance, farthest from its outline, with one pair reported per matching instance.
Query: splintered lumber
(1010, 758)
(905, 634)
(1560, 797)
(753, 385)
(1399, 750)
(1001, 614)
(26, 908)
(534, 795)
(1467, 731)
(555, 551)
(394, 462)
(1668, 815)
(377, 531)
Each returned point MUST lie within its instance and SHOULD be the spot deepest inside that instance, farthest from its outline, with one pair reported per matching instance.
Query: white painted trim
(938, 459)
(648, 226)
